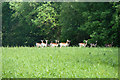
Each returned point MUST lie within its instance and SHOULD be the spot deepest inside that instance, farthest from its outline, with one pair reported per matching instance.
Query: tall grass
(69, 62)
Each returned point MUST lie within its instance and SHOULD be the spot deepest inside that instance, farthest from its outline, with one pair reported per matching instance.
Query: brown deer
(93, 45)
(54, 44)
(83, 44)
(65, 44)
(109, 45)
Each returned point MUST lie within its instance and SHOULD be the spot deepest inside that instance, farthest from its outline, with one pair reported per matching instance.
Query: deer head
(42, 41)
(56, 41)
(46, 41)
(67, 40)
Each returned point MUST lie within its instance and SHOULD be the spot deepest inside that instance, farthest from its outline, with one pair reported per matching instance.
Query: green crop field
(69, 62)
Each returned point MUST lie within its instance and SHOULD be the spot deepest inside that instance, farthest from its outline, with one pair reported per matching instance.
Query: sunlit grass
(70, 62)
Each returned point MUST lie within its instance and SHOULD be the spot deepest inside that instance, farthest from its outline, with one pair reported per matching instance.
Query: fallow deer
(83, 44)
(38, 44)
(54, 44)
(109, 45)
(65, 44)
(93, 45)
(44, 44)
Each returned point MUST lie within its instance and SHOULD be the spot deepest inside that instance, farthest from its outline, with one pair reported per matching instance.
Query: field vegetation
(69, 62)
(27, 23)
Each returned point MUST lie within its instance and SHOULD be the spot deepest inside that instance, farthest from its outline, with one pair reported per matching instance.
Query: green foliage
(46, 19)
(70, 62)
(71, 18)
(46, 16)
(28, 22)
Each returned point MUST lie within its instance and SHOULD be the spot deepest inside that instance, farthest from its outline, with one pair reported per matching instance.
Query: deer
(109, 45)
(65, 44)
(54, 44)
(44, 44)
(38, 44)
(83, 44)
(93, 45)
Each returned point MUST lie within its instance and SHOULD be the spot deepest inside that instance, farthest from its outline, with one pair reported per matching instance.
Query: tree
(28, 22)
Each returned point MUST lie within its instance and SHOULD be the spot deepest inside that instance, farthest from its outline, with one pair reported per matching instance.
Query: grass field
(70, 62)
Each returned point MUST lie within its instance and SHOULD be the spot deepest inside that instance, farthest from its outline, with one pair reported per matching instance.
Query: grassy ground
(70, 62)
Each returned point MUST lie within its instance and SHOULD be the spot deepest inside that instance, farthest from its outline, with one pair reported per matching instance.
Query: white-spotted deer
(83, 44)
(93, 45)
(38, 44)
(54, 44)
(44, 44)
(109, 45)
(65, 44)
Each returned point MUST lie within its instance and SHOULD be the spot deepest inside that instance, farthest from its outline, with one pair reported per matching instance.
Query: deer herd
(42, 44)
(56, 44)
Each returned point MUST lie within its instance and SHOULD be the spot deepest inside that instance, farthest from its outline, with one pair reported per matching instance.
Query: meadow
(69, 62)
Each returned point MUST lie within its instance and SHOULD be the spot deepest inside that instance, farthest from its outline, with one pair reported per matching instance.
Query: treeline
(25, 23)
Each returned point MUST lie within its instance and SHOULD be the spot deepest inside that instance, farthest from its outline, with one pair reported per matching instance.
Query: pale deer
(65, 44)
(93, 45)
(38, 44)
(83, 44)
(44, 44)
(109, 45)
(54, 44)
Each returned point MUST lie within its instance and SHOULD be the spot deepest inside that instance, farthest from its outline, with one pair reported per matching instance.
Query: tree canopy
(25, 23)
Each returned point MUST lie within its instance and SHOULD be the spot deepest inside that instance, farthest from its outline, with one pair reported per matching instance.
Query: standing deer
(54, 44)
(65, 44)
(83, 44)
(109, 45)
(44, 44)
(38, 44)
(93, 45)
